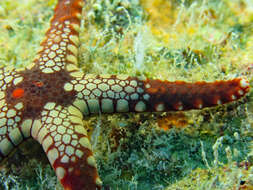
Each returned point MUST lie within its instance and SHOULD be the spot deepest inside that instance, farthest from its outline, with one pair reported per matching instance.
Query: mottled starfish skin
(48, 99)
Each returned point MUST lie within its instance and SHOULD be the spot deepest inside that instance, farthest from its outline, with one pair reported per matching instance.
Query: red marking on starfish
(38, 83)
(18, 93)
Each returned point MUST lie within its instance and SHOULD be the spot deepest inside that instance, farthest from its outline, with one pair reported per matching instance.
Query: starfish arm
(117, 94)
(59, 48)
(179, 95)
(13, 138)
(13, 130)
(16, 132)
(64, 139)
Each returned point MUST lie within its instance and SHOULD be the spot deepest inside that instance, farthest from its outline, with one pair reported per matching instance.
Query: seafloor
(188, 40)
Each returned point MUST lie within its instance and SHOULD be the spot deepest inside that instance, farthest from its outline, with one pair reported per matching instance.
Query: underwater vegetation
(166, 39)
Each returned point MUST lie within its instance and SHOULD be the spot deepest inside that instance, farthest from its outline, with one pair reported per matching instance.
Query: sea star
(48, 99)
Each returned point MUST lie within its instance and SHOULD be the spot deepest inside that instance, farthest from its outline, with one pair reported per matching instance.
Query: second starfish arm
(60, 46)
(119, 94)
(64, 139)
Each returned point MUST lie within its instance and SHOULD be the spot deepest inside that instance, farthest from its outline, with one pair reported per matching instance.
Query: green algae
(186, 40)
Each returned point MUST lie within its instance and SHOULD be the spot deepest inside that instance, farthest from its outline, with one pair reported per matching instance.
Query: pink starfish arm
(60, 47)
(64, 139)
(118, 94)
